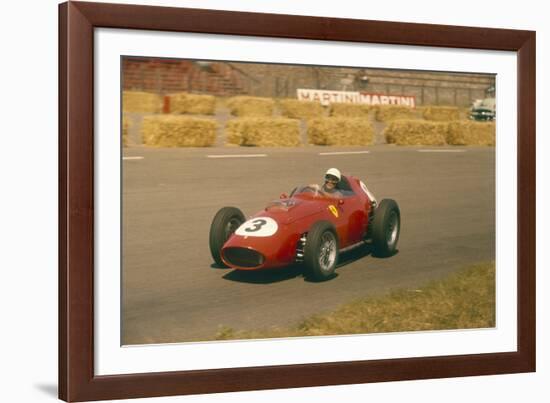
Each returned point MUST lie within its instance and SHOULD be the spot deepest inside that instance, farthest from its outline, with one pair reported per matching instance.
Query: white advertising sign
(326, 97)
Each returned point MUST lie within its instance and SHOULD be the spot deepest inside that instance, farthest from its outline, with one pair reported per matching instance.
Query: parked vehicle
(483, 109)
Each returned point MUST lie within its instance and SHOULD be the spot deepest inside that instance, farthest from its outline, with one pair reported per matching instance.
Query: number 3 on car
(258, 226)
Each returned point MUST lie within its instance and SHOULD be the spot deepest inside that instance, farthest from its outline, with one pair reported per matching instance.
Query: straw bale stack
(192, 103)
(416, 132)
(466, 132)
(465, 112)
(141, 102)
(250, 106)
(350, 110)
(387, 113)
(178, 131)
(421, 109)
(267, 132)
(340, 131)
(295, 109)
(125, 128)
(441, 113)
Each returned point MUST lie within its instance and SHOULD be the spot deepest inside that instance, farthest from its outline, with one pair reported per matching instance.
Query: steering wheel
(312, 189)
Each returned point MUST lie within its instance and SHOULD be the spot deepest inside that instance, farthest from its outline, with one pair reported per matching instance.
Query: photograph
(266, 200)
(275, 201)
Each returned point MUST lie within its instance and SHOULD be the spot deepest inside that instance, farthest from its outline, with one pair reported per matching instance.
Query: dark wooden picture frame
(77, 381)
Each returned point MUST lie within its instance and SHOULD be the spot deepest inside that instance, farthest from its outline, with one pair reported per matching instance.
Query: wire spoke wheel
(327, 252)
(321, 251)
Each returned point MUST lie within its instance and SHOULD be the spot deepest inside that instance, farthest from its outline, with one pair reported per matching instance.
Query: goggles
(330, 178)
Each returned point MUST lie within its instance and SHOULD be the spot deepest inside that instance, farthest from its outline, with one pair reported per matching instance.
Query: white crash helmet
(334, 172)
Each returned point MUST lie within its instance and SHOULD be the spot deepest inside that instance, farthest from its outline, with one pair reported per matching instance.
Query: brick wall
(165, 76)
(271, 80)
(428, 87)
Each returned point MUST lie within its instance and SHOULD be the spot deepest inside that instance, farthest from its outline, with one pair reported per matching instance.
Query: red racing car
(309, 226)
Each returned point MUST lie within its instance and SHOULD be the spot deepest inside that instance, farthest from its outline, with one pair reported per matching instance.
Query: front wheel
(225, 223)
(386, 228)
(321, 251)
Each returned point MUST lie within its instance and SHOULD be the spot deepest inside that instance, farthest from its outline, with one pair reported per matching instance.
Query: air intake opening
(243, 257)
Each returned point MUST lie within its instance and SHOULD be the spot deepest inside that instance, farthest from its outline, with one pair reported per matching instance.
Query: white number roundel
(258, 226)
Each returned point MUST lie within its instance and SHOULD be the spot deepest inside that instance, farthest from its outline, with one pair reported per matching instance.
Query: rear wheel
(386, 227)
(225, 223)
(321, 251)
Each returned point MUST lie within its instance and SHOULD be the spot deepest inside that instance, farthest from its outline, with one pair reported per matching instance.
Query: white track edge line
(441, 151)
(236, 155)
(345, 152)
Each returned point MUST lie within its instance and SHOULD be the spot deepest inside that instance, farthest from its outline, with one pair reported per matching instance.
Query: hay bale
(350, 110)
(125, 127)
(471, 133)
(295, 109)
(250, 106)
(465, 112)
(387, 113)
(416, 132)
(421, 109)
(340, 131)
(192, 103)
(141, 102)
(441, 113)
(267, 132)
(178, 131)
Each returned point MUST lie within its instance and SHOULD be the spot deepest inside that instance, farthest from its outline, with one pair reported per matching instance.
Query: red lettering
(303, 95)
(365, 98)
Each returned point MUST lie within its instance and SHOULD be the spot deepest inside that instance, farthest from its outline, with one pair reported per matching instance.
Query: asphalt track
(172, 291)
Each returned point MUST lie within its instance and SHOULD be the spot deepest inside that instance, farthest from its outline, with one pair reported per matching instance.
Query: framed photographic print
(256, 201)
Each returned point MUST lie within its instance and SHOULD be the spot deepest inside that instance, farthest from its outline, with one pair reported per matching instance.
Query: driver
(332, 178)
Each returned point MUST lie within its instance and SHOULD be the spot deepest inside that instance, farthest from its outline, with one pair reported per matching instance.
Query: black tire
(386, 227)
(320, 258)
(225, 222)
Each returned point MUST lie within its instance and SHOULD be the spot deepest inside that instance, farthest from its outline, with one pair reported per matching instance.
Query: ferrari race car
(308, 226)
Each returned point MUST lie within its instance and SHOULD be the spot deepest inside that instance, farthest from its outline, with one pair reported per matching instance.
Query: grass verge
(464, 300)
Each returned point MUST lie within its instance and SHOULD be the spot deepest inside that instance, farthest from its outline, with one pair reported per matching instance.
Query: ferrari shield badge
(333, 210)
